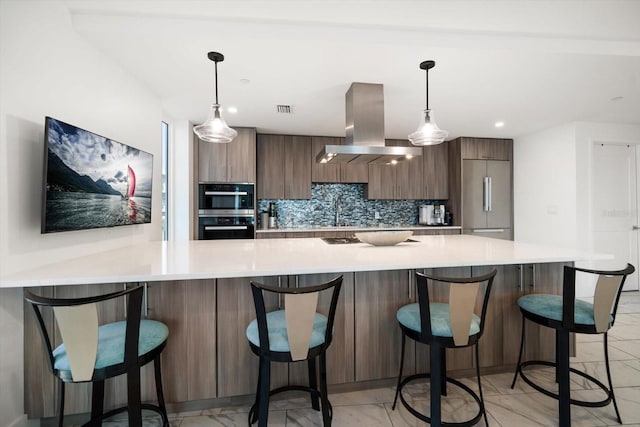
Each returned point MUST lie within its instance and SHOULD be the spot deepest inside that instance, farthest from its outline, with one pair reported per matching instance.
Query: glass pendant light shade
(215, 129)
(428, 132)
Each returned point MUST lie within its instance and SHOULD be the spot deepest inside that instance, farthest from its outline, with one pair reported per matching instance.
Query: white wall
(544, 183)
(552, 185)
(47, 69)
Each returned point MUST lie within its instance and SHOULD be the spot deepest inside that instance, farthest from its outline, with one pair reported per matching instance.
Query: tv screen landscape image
(91, 181)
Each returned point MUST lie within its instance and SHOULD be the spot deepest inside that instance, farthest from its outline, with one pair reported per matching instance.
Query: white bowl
(384, 238)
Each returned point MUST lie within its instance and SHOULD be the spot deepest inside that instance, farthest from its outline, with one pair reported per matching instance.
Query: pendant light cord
(216, 78)
(427, 80)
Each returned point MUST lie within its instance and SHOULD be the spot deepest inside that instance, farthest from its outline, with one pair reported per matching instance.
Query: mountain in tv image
(93, 181)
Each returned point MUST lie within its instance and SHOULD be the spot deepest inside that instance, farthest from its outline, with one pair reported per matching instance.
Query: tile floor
(520, 407)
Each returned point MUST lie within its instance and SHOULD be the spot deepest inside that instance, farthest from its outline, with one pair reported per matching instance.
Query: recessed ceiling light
(245, 81)
(499, 124)
(617, 98)
(232, 110)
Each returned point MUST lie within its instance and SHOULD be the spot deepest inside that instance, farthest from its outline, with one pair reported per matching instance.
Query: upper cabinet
(284, 167)
(486, 148)
(435, 161)
(335, 172)
(402, 181)
(232, 162)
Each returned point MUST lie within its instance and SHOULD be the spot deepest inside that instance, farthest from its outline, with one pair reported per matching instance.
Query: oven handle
(225, 193)
(225, 227)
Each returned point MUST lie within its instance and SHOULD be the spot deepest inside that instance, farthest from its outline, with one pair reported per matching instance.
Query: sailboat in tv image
(92, 181)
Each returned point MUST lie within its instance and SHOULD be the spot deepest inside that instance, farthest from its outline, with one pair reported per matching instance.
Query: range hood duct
(364, 142)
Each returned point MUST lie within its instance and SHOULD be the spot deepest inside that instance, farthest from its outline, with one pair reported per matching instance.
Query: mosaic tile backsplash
(356, 211)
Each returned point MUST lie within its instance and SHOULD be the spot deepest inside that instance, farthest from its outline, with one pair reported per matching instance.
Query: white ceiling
(531, 64)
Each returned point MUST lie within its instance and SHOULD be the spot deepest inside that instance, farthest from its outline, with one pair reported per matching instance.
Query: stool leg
(606, 361)
(395, 399)
(313, 382)
(443, 371)
(253, 413)
(562, 364)
(326, 414)
(484, 412)
(435, 361)
(97, 401)
(61, 402)
(263, 411)
(159, 392)
(133, 397)
(515, 374)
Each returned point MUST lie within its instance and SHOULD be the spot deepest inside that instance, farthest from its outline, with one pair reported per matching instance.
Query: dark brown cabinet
(435, 163)
(232, 162)
(336, 172)
(401, 181)
(284, 167)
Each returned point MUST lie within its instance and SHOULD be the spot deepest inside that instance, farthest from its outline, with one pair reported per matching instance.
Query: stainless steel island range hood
(364, 142)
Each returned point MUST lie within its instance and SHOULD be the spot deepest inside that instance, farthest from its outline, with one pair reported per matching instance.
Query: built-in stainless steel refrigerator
(487, 198)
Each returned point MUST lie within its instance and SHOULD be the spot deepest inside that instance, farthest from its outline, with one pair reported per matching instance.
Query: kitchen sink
(340, 240)
(347, 240)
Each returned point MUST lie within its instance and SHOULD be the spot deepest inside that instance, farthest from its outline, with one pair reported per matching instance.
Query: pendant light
(215, 129)
(428, 132)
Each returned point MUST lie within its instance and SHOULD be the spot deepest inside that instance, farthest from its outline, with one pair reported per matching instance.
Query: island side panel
(378, 296)
(340, 355)
(237, 366)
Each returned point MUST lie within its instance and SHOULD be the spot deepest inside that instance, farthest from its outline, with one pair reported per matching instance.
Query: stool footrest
(590, 404)
(427, 419)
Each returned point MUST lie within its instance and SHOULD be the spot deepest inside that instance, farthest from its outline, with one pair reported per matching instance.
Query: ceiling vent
(284, 109)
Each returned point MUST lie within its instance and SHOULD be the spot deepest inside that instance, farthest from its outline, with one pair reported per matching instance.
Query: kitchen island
(200, 290)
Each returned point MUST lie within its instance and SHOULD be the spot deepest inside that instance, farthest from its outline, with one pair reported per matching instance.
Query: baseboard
(22, 421)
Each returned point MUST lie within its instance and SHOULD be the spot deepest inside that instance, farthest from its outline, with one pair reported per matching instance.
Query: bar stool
(566, 314)
(453, 324)
(92, 353)
(298, 332)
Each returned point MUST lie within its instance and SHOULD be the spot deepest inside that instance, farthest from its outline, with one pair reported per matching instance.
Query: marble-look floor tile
(627, 319)
(276, 418)
(624, 373)
(629, 308)
(625, 332)
(630, 347)
(594, 352)
(374, 396)
(534, 409)
(628, 399)
(343, 416)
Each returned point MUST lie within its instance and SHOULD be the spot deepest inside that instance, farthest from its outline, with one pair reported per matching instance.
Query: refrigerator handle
(485, 193)
(490, 197)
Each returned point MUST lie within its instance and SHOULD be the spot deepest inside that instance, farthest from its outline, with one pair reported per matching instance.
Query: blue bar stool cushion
(277, 326)
(409, 316)
(111, 339)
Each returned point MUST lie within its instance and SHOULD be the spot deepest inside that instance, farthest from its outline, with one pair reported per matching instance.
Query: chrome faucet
(338, 207)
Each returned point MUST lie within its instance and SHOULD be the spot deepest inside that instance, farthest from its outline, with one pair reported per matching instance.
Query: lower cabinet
(208, 356)
(378, 295)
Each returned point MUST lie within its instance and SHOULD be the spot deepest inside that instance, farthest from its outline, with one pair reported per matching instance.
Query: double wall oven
(226, 211)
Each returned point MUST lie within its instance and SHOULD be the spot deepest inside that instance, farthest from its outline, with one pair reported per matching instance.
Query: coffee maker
(431, 215)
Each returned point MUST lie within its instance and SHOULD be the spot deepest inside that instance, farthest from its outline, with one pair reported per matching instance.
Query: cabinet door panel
(270, 166)
(241, 156)
(378, 297)
(236, 364)
(340, 361)
(436, 171)
(473, 173)
(212, 162)
(297, 165)
(323, 172)
(500, 214)
(382, 182)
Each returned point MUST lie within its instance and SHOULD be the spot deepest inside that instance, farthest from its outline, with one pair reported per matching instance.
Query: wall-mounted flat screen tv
(91, 181)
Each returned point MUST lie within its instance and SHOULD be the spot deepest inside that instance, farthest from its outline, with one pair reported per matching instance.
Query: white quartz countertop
(206, 259)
